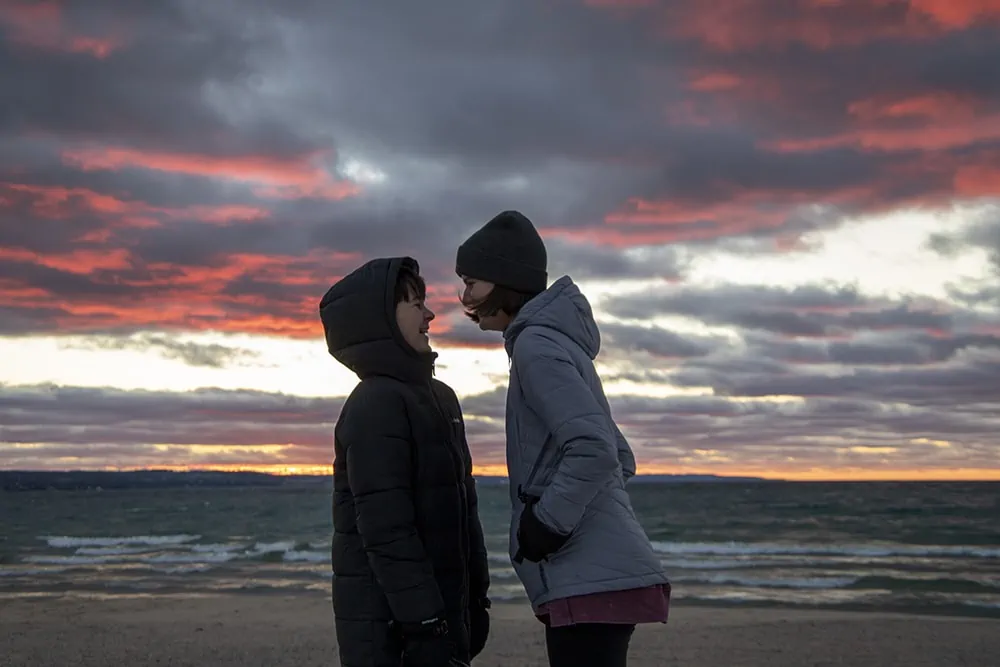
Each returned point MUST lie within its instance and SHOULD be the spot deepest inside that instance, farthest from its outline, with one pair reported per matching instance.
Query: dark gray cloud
(79, 418)
(657, 342)
(828, 426)
(148, 92)
(229, 427)
(880, 349)
(804, 311)
(983, 234)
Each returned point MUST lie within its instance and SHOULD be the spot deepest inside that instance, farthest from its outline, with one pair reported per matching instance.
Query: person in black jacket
(409, 561)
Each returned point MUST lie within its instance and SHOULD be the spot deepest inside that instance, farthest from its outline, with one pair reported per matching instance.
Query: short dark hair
(409, 285)
(499, 299)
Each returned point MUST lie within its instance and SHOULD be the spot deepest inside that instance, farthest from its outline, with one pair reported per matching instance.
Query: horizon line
(313, 471)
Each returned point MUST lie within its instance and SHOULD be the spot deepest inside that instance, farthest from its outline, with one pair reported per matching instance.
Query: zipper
(447, 433)
(456, 459)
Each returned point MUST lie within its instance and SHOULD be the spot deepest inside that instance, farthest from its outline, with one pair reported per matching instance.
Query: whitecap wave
(66, 542)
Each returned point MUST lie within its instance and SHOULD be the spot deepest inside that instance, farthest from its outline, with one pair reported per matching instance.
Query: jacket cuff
(432, 627)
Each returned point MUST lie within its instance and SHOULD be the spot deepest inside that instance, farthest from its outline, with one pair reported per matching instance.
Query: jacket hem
(604, 586)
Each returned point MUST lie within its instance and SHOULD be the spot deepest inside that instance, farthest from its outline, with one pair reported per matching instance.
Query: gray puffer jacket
(564, 446)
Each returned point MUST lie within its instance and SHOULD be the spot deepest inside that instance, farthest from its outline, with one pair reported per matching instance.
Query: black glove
(426, 644)
(479, 625)
(536, 541)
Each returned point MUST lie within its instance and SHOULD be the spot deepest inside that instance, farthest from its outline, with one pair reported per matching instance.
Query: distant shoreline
(40, 480)
(37, 480)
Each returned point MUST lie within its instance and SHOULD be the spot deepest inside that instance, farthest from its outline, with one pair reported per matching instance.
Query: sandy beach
(250, 630)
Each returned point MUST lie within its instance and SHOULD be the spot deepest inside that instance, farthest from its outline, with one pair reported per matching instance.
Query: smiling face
(476, 294)
(414, 319)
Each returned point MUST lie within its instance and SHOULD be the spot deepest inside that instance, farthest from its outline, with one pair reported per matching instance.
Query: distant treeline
(31, 480)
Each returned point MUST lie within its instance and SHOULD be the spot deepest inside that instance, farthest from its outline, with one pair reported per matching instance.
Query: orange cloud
(77, 261)
(274, 177)
(923, 138)
(931, 122)
(712, 82)
(978, 180)
(177, 297)
(741, 25)
(956, 14)
(940, 106)
(53, 202)
(740, 211)
(723, 97)
(40, 25)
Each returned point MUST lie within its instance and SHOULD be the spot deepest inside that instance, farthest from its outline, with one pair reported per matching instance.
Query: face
(476, 292)
(414, 319)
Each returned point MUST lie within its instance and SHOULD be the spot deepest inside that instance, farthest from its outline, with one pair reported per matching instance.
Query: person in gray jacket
(585, 562)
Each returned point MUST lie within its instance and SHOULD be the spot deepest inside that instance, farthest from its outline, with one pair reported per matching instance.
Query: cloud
(46, 426)
(205, 427)
(189, 168)
(657, 342)
(878, 349)
(982, 234)
(734, 26)
(804, 311)
(43, 25)
(209, 355)
(196, 142)
(283, 178)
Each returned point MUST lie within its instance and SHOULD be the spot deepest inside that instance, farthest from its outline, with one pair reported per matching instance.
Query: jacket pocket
(543, 577)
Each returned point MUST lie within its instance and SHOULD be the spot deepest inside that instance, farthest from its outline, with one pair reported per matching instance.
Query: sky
(786, 214)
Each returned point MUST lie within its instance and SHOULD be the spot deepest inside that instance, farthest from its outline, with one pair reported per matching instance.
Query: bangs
(410, 286)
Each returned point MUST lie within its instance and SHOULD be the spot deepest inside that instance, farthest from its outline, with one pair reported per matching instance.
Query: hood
(562, 307)
(359, 319)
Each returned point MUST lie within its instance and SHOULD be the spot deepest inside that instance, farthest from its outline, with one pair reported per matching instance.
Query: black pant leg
(590, 644)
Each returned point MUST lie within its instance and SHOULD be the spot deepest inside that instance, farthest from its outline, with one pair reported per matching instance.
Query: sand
(248, 630)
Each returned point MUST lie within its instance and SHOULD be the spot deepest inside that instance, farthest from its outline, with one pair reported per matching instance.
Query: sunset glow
(785, 215)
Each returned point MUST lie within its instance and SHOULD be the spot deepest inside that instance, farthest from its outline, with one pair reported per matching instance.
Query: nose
(428, 314)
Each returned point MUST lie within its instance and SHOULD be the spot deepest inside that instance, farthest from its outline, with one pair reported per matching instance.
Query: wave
(896, 583)
(64, 542)
(927, 584)
(764, 582)
(171, 549)
(203, 548)
(114, 551)
(185, 569)
(307, 556)
(870, 550)
(978, 603)
(30, 572)
(727, 564)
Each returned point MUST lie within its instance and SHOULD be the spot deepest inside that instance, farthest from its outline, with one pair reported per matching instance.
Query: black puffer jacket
(408, 544)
